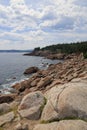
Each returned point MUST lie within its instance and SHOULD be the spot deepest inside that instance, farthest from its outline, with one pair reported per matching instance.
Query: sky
(26, 24)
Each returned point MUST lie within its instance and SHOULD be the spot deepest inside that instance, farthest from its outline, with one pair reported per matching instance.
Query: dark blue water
(12, 66)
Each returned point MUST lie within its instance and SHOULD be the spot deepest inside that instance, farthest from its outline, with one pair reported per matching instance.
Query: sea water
(12, 66)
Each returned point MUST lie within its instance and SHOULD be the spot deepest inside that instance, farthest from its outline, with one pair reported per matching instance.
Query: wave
(6, 88)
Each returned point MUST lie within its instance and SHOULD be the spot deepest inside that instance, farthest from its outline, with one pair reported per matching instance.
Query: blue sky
(25, 24)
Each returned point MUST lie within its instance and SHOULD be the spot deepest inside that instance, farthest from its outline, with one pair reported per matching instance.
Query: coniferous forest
(68, 48)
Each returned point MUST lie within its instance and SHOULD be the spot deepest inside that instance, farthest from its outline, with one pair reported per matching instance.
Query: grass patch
(49, 121)
(44, 122)
(14, 109)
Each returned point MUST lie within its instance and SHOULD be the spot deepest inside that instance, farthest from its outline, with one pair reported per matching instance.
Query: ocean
(12, 66)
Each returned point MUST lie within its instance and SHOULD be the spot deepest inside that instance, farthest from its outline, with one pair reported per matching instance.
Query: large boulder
(31, 70)
(32, 105)
(31, 100)
(72, 101)
(63, 125)
(66, 101)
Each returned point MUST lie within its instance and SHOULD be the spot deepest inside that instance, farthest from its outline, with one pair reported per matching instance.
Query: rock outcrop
(72, 101)
(59, 56)
(66, 101)
(39, 53)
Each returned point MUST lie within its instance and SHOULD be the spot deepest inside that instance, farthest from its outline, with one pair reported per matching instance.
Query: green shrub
(85, 55)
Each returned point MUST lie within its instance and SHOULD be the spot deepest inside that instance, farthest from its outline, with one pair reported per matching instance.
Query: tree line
(68, 48)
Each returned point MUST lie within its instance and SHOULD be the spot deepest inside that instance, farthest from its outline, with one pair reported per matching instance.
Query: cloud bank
(25, 24)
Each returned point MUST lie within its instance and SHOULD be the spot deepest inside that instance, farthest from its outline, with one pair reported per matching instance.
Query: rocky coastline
(47, 54)
(55, 98)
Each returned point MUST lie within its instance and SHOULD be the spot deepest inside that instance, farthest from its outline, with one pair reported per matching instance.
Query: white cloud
(26, 22)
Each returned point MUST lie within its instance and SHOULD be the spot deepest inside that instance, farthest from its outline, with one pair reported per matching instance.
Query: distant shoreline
(14, 51)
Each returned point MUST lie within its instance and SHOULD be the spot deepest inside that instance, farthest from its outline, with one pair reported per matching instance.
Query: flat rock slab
(6, 118)
(63, 125)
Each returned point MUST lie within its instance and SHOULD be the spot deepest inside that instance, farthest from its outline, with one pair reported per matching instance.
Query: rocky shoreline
(59, 73)
(55, 98)
(47, 54)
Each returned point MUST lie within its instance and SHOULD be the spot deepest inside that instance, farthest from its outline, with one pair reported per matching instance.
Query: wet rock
(31, 70)
(14, 78)
(20, 87)
(7, 98)
(23, 86)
